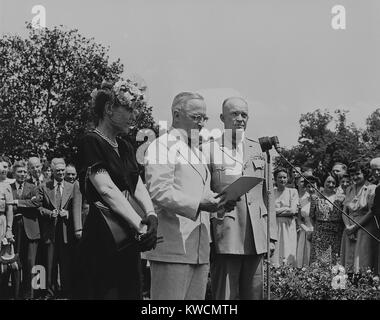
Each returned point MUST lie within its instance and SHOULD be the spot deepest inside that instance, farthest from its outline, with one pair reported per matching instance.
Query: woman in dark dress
(108, 176)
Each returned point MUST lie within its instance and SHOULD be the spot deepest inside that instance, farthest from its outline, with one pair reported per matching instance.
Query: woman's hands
(148, 241)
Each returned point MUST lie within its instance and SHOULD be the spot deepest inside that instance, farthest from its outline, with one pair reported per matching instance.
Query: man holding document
(178, 182)
(239, 236)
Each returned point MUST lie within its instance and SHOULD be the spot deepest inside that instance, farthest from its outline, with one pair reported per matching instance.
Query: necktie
(58, 196)
(19, 190)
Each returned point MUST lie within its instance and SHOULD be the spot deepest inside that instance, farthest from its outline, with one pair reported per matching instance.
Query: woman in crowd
(358, 248)
(345, 182)
(46, 171)
(109, 266)
(286, 203)
(328, 224)
(305, 226)
(294, 176)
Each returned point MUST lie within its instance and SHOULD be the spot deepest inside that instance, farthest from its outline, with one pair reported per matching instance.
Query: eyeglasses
(198, 117)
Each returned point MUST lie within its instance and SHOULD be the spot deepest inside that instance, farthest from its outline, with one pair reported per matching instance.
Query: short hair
(57, 161)
(374, 161)
(278, 170)
(5, 159)
(32, 159)
(181, 99)
(340, 164)
(360, 166)
(19, 164)
(226, 101)
(71, 166)
(345, 176)
(313, 179)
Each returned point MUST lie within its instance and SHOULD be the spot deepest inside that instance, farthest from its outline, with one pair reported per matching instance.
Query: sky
(283, 56)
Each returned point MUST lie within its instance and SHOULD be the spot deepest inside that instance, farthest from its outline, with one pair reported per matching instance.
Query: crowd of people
(315, 216)
(94, 232)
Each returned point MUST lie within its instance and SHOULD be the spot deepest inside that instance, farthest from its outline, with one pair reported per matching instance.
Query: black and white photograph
(198, 151)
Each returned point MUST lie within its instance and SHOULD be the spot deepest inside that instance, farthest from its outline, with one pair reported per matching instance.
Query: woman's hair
(100, 98)
(313, 179)
(278, 170)
(123, 92)
(360, 166)
(332, 175)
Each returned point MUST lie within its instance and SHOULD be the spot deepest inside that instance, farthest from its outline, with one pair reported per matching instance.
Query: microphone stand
(333, 204)
(268, 176)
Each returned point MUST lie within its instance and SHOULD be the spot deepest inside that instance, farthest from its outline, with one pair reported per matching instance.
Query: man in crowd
(35, 171)
(25, 224)
(375, 168)
(240, 236)
(71, 173)
(178, 181)
(339, 169)
(61, 225)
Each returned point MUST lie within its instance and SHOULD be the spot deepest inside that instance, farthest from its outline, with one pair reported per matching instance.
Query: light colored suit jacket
(233, 234)
(177, 180)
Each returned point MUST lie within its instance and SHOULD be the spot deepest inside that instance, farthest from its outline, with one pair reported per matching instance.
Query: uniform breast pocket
(218, 172)
(258, 167)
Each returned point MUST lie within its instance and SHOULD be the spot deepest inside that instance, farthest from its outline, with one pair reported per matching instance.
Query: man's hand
(351, 229)
(272, 247)
(209, 204)
(9, 235)
(54, 214)
(149, 240)
(64, 213)
(78, 234)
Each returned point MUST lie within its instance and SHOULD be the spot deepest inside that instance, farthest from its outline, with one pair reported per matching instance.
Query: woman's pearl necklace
(101, 134)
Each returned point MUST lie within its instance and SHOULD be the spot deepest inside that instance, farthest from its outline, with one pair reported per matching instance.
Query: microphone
(266, 143)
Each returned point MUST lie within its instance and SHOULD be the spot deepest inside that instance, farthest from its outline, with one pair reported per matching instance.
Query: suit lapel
(50, 192)
(247, 150)
(203, 176)
(67, 190)
(25, 190)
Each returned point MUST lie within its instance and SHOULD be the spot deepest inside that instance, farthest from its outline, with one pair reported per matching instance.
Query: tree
(371, 135)
(319, 147)
(46, 82)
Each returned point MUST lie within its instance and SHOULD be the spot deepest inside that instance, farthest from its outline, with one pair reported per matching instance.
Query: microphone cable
(334, 205)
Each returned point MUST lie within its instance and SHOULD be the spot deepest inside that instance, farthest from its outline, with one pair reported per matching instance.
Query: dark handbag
(123, 234)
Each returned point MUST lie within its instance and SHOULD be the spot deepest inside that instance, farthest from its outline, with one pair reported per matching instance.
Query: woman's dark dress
(103, 272)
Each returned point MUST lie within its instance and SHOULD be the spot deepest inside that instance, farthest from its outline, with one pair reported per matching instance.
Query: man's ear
(108, 108)
(221, 117)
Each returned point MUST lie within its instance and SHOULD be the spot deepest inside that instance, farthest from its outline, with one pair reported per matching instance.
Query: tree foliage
(46, 81)
(327, 138)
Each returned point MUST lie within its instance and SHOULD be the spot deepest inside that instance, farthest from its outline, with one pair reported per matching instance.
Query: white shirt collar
(56, 183)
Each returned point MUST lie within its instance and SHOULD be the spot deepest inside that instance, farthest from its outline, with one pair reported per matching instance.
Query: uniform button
(249, 203)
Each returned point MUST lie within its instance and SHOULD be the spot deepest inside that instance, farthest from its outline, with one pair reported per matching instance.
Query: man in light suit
(239, 236)
(25, 224)
(61, 225)
(178, 181)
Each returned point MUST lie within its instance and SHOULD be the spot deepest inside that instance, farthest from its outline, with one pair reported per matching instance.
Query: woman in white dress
(286, 203)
